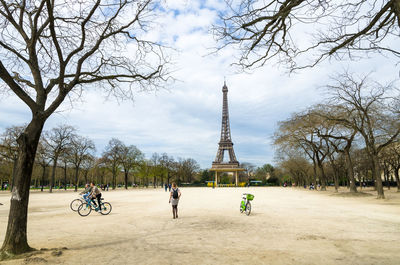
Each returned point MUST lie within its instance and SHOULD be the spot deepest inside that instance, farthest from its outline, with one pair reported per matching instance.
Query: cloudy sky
(184, 120)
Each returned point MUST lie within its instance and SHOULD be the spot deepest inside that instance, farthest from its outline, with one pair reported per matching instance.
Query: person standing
(174, 197)
(166, 187)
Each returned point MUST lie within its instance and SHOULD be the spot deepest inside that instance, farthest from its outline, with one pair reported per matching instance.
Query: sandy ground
(286, 226)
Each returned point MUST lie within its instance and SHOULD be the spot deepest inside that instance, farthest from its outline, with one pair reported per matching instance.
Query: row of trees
(352, 136)
(66, 158)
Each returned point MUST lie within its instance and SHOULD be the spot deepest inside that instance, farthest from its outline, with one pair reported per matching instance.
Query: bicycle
(245, 205)
(86, 208)
(74, 205)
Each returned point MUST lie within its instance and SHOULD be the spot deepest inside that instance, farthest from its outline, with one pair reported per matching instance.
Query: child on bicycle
(95, 194)
(86, 192)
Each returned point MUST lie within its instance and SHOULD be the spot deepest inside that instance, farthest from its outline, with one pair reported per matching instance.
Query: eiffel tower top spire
(225, 128)
(225, 88)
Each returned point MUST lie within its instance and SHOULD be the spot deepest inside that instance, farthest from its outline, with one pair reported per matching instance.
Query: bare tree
(340, 137)
(263, 30)
(130, 158)
(372, 110)
(100, 169)
(298, 167)
(144, 172)
(249, 169)
(167, 163)
(9, 147)
(111, 156)
(43, 158)
(302, 131)
(65, 157)
(80, 149)
(58, 139)
(155, 167)
(391, 154)
(52, 51)
(185, 170)
(87, 165)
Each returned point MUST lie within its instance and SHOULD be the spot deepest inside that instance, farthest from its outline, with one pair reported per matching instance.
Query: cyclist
(95, 194)
(86, 192)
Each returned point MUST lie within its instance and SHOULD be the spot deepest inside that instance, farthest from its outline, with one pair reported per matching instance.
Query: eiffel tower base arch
(222, 170)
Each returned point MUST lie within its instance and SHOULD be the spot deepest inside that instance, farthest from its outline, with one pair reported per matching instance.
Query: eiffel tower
(225, 144)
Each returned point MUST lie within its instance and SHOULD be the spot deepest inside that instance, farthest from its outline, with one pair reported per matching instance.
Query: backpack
(175, 194)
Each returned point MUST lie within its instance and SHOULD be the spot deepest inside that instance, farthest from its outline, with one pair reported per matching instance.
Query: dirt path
(287, 226)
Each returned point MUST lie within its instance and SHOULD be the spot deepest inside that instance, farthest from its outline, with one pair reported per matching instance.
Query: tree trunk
(126, 180)
(377, 176)
(336, 180)
(15, 241)
(315, 175)
(323, 177)
(53, 173)
(43, 175)
(114, 181)
(76, 178)
(396, 175)
(387, 179)
(350, 172)
(65, 176)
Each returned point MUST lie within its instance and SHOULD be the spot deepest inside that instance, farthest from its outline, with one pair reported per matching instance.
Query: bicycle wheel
(106, 208)
(248, 208)
(75, 204)
(84, 209)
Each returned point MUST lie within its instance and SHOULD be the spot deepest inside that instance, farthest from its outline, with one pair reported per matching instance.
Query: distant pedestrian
(174, 197)
(166, 187)
(108, 185)
(169, 187)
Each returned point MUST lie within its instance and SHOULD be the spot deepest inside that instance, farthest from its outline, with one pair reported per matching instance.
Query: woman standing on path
(174, 199)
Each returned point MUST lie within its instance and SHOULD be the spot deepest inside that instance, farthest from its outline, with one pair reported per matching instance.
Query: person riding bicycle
(86, 192)
(95, 194)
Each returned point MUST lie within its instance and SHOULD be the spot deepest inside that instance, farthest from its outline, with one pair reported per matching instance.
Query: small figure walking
(166, 187)
(169, 187)
(174, 197)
